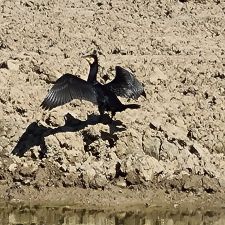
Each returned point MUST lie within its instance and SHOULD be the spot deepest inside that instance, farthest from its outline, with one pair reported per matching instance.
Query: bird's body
(69, 87)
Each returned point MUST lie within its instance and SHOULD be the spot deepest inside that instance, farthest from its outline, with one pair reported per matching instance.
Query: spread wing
(67, 88)
(125, 84)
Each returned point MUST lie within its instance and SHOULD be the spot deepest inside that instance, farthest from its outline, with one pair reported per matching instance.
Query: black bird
(69, 87)
(125, 84)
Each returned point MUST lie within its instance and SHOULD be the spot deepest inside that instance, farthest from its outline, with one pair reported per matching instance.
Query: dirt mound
(176, 139)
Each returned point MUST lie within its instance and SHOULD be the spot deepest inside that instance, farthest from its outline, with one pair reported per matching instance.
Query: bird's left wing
(67, 88)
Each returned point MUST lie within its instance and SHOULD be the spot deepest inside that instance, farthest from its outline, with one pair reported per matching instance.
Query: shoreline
(112, 199)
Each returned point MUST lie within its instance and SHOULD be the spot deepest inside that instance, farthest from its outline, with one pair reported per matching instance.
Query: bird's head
(91, 58)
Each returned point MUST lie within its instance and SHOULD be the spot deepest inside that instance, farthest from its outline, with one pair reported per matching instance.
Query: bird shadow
(35, 133)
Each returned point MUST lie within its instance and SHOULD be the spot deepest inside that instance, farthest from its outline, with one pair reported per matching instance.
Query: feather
(67, 88)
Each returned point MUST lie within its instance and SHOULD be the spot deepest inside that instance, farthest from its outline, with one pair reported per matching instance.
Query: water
(40, 215)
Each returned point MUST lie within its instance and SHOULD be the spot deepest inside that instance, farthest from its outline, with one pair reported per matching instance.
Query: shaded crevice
(194, 151)
(119, 172)
(111, 138)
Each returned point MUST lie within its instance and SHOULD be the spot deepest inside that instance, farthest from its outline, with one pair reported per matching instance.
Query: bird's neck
(93, 71)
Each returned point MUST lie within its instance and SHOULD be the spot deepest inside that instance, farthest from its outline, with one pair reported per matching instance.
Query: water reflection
(36, 215)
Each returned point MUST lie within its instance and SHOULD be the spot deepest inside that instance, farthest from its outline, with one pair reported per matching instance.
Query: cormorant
(69, 87)
(125, 84)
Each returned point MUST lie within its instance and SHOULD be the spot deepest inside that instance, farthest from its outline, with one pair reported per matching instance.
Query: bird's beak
(86, 56)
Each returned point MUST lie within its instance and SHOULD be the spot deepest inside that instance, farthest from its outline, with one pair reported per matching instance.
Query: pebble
(12, 167)
(12, 65)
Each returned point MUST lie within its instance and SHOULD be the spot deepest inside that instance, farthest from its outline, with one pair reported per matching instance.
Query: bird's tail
(131, 106)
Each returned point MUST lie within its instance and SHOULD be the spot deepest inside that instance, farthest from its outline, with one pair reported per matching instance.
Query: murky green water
(37, 215)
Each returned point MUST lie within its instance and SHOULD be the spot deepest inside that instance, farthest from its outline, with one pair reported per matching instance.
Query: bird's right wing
(67, 88)
(125, 84)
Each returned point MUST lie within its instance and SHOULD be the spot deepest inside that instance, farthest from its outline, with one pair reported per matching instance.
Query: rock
(100, 180)
(199, 151)
(210, 184)
(121, 148)
(42, 178)
(110, 168)
(13, 65)
(52, 144)
(63, 167)
(155, 124)
(168, 151)
(36, 150)
(192, 183)
(70, 180)
(120, 182)
(28, 168)
(72, 142)
(16, 159)
(4, 142)
(157, 75)
(175, 132)
(26, 181)
(72, 169)
(133, 177)
(55, 119)
(129, 142)
(221, 181)
(145, 166)
(151, 145)
(88, 176)
(12, 167)
(3, 182)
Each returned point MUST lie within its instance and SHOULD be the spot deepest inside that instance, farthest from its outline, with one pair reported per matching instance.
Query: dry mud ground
(173, 144)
